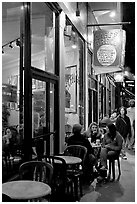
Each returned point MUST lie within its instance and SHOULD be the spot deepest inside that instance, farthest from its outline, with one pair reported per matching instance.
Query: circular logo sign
(106, 55)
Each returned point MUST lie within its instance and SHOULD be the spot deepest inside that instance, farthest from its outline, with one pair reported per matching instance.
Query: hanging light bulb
(74, 46)
(112, 14)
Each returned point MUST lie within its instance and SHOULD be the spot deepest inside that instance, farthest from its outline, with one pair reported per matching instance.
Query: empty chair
(36, 171)
(112, 167)
(62, 185)
(75, 172)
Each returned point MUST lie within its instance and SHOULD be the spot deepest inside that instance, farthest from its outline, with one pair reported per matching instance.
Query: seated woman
(93, 132)
(6, 141)
(111, 145)
(9, 141)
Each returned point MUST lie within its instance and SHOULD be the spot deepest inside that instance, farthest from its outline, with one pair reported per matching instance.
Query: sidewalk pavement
(117, 191)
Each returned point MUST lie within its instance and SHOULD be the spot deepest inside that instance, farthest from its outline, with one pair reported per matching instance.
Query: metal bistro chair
(61, 183)
(37, 171)
(75, 172)
(112, 167)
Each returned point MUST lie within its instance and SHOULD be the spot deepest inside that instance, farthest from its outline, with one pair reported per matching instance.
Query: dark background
(129, 16)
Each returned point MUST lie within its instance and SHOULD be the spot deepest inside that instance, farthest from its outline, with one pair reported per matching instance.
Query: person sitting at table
(9, 141)
(78, 139)
(111, 145)
(93, 132)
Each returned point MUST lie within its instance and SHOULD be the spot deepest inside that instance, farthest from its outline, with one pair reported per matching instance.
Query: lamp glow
(112, 14)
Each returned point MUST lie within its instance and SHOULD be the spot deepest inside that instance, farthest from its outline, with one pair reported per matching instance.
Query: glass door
(43, 116)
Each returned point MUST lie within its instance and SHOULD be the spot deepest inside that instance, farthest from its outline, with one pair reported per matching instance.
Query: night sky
(129, 16)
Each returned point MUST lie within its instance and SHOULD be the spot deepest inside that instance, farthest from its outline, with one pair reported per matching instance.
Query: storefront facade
(49, 70)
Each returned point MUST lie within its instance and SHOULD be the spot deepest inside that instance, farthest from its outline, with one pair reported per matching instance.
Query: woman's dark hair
(122, 107)
(112, 130)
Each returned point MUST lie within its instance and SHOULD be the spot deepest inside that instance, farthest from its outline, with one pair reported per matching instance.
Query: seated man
(78, 139)
(111, 145)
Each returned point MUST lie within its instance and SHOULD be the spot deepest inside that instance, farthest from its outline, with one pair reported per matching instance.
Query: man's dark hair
(112, 130)
(76, 128)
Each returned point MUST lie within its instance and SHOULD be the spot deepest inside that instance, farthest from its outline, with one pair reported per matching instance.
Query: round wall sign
(106, 55)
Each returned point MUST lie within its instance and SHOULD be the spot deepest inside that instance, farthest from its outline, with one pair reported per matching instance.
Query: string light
(10, 45)
(18, 42)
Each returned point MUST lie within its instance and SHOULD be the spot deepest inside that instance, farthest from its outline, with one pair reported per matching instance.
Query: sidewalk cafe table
(70, 160)
(25, 189)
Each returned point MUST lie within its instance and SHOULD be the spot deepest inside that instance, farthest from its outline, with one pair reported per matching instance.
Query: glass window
(74, 76)
(11, 12)
(42, 37)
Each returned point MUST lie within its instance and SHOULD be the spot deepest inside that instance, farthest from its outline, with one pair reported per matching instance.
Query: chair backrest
(57, 163)
(59, 171)
(76, 151)
(37, 171)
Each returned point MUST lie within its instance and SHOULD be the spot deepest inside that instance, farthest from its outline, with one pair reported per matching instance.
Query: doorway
(43, 110)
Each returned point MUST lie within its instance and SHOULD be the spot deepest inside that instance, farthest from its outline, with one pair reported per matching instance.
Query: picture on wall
(71, 89)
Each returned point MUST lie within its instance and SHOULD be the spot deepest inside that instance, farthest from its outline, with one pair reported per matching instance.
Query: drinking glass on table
(98, 142)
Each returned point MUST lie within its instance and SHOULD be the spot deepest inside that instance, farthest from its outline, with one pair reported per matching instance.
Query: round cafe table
(70, 159)
(25, 189)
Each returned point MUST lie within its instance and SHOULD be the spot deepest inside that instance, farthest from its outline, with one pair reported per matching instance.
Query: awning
(104, 70)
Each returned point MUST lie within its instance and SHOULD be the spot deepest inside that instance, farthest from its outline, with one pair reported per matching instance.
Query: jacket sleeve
(119, 141)
(129, 127)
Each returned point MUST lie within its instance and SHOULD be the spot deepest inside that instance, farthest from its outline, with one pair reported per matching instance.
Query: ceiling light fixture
(112, 14)
(74, 46)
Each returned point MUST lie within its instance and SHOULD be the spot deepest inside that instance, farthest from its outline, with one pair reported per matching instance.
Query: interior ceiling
(100, 10)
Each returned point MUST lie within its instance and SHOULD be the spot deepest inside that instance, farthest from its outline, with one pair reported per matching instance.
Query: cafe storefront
(47, 63)
(30, 63)
(44, 72)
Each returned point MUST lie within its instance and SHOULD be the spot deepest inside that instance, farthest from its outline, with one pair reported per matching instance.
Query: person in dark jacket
(123, 126)
(78, 139)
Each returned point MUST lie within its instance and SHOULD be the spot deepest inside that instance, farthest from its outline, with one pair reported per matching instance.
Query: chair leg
(119, 169)
(80, 183)
(113, 169)
(76, 187)
(109, 172)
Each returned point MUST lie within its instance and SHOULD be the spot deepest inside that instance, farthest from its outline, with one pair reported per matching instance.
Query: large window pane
(74, 77)
(11, 12)
(42, 37)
